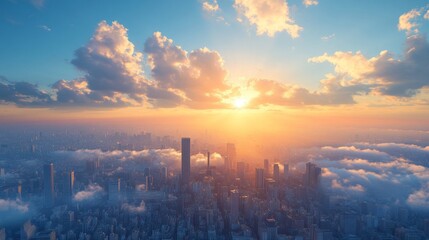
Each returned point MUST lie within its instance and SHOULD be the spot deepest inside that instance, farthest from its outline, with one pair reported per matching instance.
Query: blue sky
(39, 37)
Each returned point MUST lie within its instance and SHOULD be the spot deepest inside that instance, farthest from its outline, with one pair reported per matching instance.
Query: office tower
(48, 182)
(277, 172)
(260, 178)
(114, 190)
(234, 207)
(164, 174)
(312, 174)
(241, 171)
(70, 184)
(186, 160)
(231, 156)
(149, 183)
(285, 170)
(208, 164)
(267, 167)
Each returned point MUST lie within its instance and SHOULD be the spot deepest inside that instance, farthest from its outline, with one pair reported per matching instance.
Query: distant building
(234, 207)
(114, 189)
(186, 160)
(241, 171)
(231, 155)
(276, 172)
(312, 175)
(285, 171)
(267, 167)
(48, 183)
(260, 178)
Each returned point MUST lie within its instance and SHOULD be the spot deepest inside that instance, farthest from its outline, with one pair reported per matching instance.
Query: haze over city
(214, 119)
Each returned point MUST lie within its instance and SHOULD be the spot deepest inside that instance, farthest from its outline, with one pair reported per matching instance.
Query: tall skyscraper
(114, 190)
(260, 178)
(267, 167)
(285, 170)
(231, 156)
(70, 184)
(241, 171)
(186, 160)
(312, 174)
(276, 172)
(234, 207)
(48, 182)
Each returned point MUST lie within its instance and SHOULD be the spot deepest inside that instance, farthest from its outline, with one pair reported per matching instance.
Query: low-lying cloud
(91, 192)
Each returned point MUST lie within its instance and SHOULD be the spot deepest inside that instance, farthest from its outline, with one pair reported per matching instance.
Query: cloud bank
(376, 171)
(91, 192)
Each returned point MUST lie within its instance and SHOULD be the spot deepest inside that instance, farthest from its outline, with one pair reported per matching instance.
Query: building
(114, 190)
(285, 171)
(186, 160)
(276, 172)
(260, 178)
(48, 183)
(241, 171)
(234, 207)
(312, 175)
(70, 185)
(267, 167)
(231, 155)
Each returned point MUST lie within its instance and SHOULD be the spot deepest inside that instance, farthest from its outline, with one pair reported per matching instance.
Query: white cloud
(91, 192)
(210, 6)
(269, 16)
(407, 21)
(134, 209)
(308, 3)
(328, 37)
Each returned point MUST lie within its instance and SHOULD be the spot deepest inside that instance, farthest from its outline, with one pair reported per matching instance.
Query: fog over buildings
(99, 184)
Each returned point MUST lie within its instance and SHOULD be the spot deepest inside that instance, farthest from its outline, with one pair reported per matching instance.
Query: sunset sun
(240, 103)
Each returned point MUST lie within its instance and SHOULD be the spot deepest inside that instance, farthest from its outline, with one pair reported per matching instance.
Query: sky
(346, 63)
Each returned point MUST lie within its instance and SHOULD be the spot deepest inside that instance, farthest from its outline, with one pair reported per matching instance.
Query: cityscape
(214, 120)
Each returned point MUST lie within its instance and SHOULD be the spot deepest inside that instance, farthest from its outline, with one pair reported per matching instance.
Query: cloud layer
(377, 171)
(91, 192)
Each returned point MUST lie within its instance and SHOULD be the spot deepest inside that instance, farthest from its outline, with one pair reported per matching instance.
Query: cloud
(375, 171)
(332, 92)
(406, 21)
(169, 157)
(328, 37)
(269, 16)
(22, 93)
(134, 209)
(13, 210)
(308, 3)
(92, 192)
(383, 74)
(45, 28)
(198, 77)
(211, 6)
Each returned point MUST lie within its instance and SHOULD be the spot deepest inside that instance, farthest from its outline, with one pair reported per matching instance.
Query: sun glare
(240, 103)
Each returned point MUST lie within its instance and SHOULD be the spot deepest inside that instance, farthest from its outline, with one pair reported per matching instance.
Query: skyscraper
(114, 189)
(186, 160)
(267, 167)
(260, 178)
(241, 171)
(70, 184)
(285, 170)
(277, 172)
(234, 207)
(48, 182)
(312, 174)
(231, 156)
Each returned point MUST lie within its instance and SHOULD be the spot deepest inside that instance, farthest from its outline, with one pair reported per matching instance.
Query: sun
(240, 103)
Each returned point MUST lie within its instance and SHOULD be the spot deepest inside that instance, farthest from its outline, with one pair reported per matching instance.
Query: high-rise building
(260, 178)
(285, 170)
(70, 184)
(186, 160)
(267, 167)
(234, 207)
(276, 172)
(312, 174)
(48, 183)
(241, 171)
(231, 156)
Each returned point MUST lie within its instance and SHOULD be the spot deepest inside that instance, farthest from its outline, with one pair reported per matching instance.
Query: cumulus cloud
(406, 21)
(198, 77)
(13, 210)
(134, 209)
(269, 16)
(210, 6)
(377, 171)
(383, 74)
(92, 192)
(308, 3)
